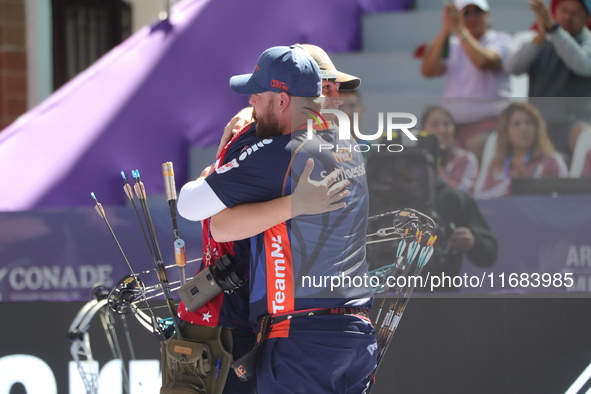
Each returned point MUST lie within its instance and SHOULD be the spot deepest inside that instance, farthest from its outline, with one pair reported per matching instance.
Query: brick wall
(13, 61)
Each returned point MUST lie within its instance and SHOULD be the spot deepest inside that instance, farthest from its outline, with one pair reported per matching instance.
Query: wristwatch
(553, 28)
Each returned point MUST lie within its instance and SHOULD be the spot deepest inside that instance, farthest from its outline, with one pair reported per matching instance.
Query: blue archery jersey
(295, 265)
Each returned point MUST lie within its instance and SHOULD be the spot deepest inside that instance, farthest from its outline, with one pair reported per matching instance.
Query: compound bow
(78, 334)
(415, 233)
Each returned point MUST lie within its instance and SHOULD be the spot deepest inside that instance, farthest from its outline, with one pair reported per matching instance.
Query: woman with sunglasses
(471, 56)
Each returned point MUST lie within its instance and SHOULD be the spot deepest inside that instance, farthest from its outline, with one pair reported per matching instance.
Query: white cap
(482, 4)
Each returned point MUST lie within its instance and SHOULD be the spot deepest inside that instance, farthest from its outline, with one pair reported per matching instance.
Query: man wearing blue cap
(318, 339)
(231, 310)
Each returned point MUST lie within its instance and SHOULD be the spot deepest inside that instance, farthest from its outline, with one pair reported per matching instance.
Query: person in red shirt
(458, 167)
(523, 150)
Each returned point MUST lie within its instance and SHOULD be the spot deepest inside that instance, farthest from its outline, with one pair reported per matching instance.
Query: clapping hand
(452, 19)
(543, 15)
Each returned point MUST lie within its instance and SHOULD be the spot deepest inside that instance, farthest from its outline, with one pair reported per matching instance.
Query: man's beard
(267, 124)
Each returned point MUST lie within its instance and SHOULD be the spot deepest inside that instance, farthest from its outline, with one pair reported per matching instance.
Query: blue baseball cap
(281, 69)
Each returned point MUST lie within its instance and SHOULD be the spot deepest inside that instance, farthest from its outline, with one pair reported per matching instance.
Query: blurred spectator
(554, 4)
(472, 61)
(566, 118)
(587, 166)
(407, 180)
(557, 58)
(523, 150)
(458, 167)
(467, 233)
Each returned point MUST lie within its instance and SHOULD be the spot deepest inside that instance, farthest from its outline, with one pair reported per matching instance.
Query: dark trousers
(243, 343)
(317, 362)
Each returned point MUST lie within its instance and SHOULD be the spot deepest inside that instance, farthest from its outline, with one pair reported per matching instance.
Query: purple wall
(155, 95)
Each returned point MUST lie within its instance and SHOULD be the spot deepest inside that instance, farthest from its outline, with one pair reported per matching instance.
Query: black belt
(316, 312)
(246, 365)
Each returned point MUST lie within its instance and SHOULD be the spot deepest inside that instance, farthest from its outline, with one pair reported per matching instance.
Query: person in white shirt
(472, 62)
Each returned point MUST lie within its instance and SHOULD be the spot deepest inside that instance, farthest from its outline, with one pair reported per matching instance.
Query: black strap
(325, 311)
(246, 366)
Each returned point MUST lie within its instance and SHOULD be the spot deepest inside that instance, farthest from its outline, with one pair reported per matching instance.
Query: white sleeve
(576, 56)
(197, 201)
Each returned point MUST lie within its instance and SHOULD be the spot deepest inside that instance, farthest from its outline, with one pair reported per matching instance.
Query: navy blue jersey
(292, 262)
